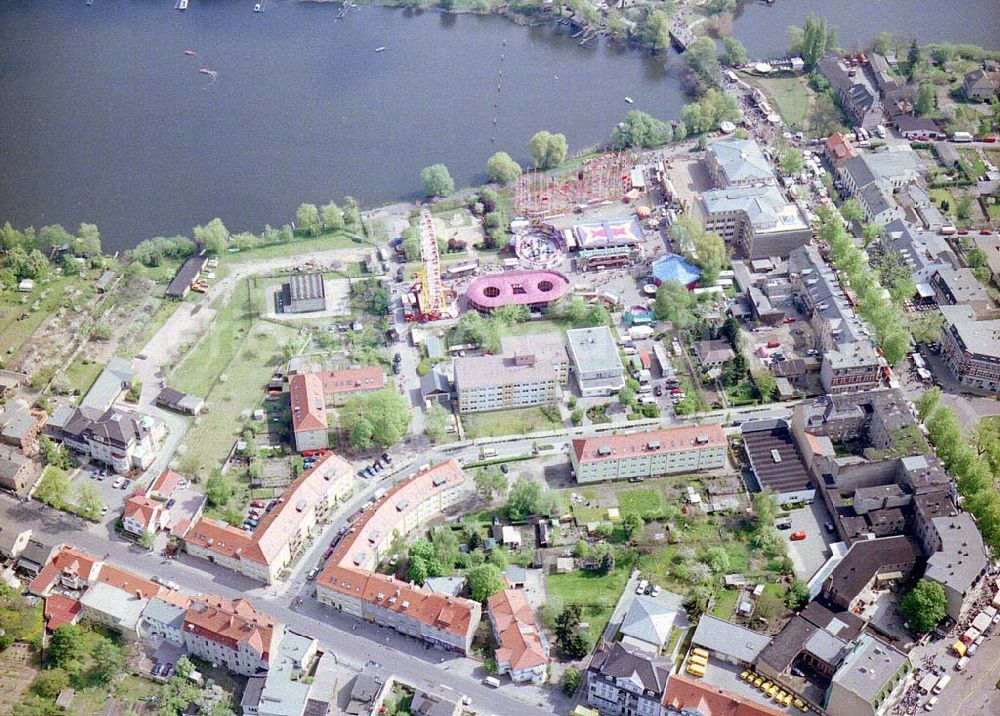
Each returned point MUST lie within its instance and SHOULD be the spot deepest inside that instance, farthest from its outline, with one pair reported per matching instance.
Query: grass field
(790, 97)
(245, 352)
(324, 242)
(725, 603)
(507, 422)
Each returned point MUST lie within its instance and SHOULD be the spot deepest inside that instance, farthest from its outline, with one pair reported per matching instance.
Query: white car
(931, 703)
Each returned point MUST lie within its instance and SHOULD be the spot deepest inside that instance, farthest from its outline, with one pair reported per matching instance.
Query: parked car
(387, 457)
(797, 536)
(171, 502)
(312, 573)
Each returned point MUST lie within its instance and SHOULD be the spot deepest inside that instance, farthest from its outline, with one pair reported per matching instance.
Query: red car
(258, 504)
(797, 536)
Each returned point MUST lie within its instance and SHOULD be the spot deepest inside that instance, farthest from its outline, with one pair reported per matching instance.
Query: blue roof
(674, 268)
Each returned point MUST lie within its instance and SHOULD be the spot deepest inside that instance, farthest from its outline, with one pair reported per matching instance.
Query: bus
(699, 660)
(698, 651)
(695, 670)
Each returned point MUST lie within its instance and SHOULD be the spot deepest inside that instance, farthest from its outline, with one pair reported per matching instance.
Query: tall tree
(656, 31)
(924, 104)
(924, 606)
(88, 240)
(332, 216)
(502, 169)
(437, 180)
(214, 236)
(641, 130)
(485, 580)
(734, 53)
(548, 150)
(815, 38)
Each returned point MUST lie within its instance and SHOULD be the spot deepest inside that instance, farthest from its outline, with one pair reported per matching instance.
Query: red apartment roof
(350, 568)
(164, 485)
(686, 693)
(353, 379)
(616, 447)
(128, 582)
(142, 509)
(521, 643)
(305, 391)
(230, 623)
(280, 524)
(60, 610)
(67, 558)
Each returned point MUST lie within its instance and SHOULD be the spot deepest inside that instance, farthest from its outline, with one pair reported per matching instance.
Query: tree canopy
(702, 60)
(734, 53)
(675, 303)
(502, 169)
(437, 180)
(213, 236)
(548, 150)
(386, 411)
(924, 606)
(529, 497)
(640, 129)
(485, 580)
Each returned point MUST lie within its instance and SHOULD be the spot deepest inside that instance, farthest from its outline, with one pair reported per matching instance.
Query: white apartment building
(649, 454)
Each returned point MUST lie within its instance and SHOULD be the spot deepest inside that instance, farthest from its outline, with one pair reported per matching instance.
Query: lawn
(647, 503)
(507, 422)
(81, 374)
(725, 603)
(596, 595)
(790, 97)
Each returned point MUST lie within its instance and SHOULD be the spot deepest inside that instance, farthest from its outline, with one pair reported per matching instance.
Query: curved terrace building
(534, 289)
(349, 581)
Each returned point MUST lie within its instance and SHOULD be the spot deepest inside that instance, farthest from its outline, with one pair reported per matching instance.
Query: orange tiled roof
(165, 483)
(142, 509)
(521, 642)
(280, 524)
(66, 559)
(308, 403)
(686, 693)
(350, 568)
(230, 623)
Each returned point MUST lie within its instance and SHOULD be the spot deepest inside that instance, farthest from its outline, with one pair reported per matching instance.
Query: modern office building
(756, 221)
(738, 163)
(649, 454)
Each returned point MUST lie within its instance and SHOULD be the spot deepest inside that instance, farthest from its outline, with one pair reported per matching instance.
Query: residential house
(143, 516)
(713, 354)
(300, 681)
(118, 438)
(960, 286)
(35, 556)
(19, 425)
(858, 98)
(688, 696)
(839, 148)
(18, 472)
(869, 679)
(231, 632)
(163, 618)
(265, 552)
(978, 86)
(114, 379)
(13, 541)
(649, 454)
(523, 650)
(648, 623)
(117, 609)
(918, 128)
(625, 682)
(311, 393)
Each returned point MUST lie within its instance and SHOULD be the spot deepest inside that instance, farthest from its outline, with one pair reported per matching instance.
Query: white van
(492, 682)
(962, 663)
(942, 684)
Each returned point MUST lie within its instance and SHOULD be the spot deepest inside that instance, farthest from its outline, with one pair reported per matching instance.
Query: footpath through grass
(230, 368)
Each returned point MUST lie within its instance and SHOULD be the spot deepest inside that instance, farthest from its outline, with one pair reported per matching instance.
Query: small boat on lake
(190, 53)
(379, 49)
(629, 100)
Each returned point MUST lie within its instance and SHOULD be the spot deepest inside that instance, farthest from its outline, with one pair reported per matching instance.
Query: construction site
(601, 180)
(429, 299)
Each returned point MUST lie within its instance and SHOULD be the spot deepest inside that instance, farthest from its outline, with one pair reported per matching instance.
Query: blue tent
(674, 268)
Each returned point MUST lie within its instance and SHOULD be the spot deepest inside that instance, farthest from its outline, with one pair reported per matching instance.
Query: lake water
(103, 117)
(761, 27)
